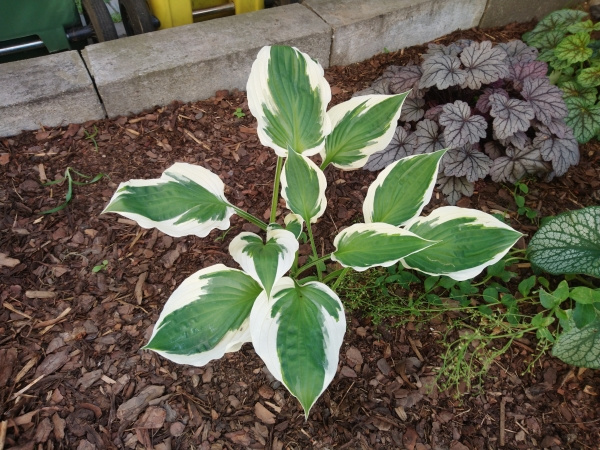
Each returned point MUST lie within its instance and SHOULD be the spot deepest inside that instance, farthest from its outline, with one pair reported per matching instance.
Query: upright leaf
(365, 245)
(303, 187)
(461, 126)
(468, 241)
(298, 334)
(361, 126)
(206, 316)
(412, 110)
(288, 95)
(442, 71)
(545, 99)
(402, 189)
(483, 64)
(265, 262)
(429, 137)
(510, 115)
(185, 200)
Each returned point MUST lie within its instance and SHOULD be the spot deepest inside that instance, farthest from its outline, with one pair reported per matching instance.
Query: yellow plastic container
(244, 6)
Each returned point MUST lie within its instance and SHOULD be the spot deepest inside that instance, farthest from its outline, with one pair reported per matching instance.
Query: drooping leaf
(510, 115)
(580, 346)
(466, 162)
(584, 119)
(206, 316)
(483, 64)
(454, 188)
(406, 78)
(461, 127)
(401, 145)
(574, 48)
(568, 243)
(520, 71)
(429, 137)
(298, 333)
(288, 95)
(572, 89)
(545, 99)
(442, 71)
(468, 241)
(559, 127)
(412, 110)
(517, 163)
(590, 77)
(365, 245)
(483, 102)
(518, 51)
(303, 187)
(493, 149)
(402, 189)
(586, 26)
(517, 140)
(185, 200)
(562, 153)
(265, 262)
(361, 126)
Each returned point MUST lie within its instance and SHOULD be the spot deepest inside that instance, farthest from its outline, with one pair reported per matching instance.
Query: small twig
(26, 388)
(415, 349)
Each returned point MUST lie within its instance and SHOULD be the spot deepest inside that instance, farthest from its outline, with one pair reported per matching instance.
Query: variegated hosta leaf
(294, 223)
(288, 95)
(303, 187)
(483, 64)
(265, 262)
(401, 191)
(298, 333)
(361, 126)
(454, 188)
(185, 200)
(568, 243)
(207, 316)
(365, 245)
(469, 241)
(545, 99)
(468, 162)
(401, 145)
(510, 115)
(461, 127)
(442, 71)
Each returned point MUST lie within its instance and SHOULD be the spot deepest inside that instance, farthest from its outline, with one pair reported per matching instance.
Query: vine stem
(275, 198)
(250, 218)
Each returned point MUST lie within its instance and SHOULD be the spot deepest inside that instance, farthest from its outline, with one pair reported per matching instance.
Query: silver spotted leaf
(518, 51)
(454, 188)
(517, 163)
(461, 127)
(483, 102)
(406, 78)
(429, 137)
(545, 99)
(562, 153)
(401, 145)
(580, 347)
(412, 110)
(483, 64)
(468, 162)
(510, 115)
(442, 71)
(520, 71)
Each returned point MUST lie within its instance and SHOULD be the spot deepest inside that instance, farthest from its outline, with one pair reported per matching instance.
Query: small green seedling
(70, 182)
(522, 188)
(239, 113)
(92, 137)
(100, 267)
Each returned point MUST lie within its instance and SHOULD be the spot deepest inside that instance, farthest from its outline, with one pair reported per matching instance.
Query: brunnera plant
(491, 106)
(564, 39)
(294, 320)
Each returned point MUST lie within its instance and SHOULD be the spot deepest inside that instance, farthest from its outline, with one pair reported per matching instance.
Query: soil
(80, 292)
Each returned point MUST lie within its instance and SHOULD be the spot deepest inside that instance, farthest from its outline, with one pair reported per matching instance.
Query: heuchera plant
(565, 43)
(492, 107)
(296, 322)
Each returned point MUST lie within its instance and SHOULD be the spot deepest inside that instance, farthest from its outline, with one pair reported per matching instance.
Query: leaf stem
(275, 198)
(250, 218)
(314, 248)
(340, 278)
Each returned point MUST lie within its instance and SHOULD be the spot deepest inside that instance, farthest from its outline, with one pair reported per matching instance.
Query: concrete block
(191, 62)
(501, 12)
(51, 90)
(362, 28)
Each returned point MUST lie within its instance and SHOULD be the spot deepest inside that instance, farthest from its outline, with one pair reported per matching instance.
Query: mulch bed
(72, 374)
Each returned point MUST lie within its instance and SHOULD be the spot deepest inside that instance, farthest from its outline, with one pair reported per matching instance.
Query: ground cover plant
(297, 323)
(492, 106)
(564, 39)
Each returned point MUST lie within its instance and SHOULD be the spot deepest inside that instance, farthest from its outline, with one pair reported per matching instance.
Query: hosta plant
(570, 244)
(564, 39)
(294, 320)
(491, 106)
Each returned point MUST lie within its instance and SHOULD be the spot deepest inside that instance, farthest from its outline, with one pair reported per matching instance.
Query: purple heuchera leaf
(401, 145)
(429, 138)
(519, 51)
(562, 153)
(493, 149)
(467, 161)
(483, 64)
(558, 127)
(517, 163)
(405, 79)
(545, 99)
(442, 71)
(510, 115)
(453, 49)
(461, 127)
(518, 140)
(380, 86)
(412, 109)
(519, 71)
(483, 103)
(434, 113)
(454, 188)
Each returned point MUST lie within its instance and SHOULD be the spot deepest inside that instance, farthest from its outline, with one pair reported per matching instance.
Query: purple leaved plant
(492, 106)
